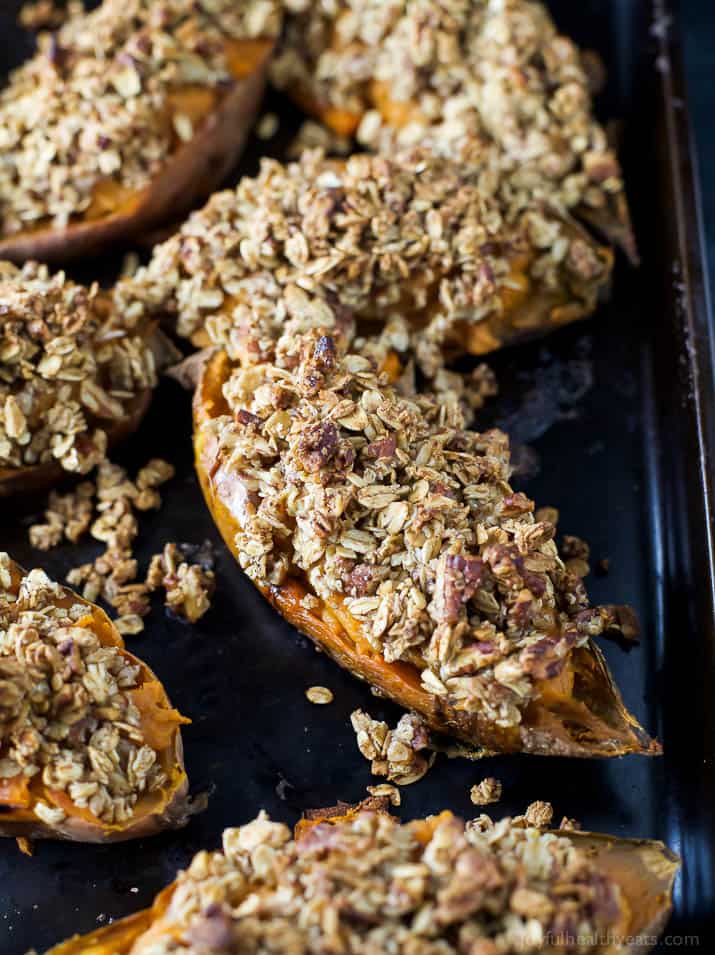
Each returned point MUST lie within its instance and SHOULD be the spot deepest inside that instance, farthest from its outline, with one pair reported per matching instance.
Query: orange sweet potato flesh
(644, 871)
(579, 714)
(166, 808)
(191, 173)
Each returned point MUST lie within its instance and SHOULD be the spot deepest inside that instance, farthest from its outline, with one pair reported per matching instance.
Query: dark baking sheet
(619, 412)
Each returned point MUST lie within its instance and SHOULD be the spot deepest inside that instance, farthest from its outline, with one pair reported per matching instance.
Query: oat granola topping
(320, 695)
(324, 243)
(486, 792)
(405, 519)
(113, 574)
(189, 586)
(491, 84)
(402, 755)
(66, 707)
(70, 369)
(369, 884)
(96, 105)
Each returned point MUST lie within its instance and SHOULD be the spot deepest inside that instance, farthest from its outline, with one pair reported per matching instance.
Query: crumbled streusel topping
(402, 755)
(188, 586)
(97, 104)
(113, 574)
(66, 704)
(393, 510)
(369, 884)
(490, 84)
(486, 792)
(320, 242)
(70, 369)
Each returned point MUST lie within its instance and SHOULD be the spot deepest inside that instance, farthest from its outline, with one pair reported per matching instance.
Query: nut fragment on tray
(354, 879)
(365, 239)
(125, 117)
(76, 377)
(394, 540)
(491, 85)
(90, 747)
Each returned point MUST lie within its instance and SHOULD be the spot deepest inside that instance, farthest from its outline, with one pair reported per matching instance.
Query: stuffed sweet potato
(388, 533)
(90, 747)
(125, 118)
(492, 85)
(355, 879)
(371, 238)
(75, 376)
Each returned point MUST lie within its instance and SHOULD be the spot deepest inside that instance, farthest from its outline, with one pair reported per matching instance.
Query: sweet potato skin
(544, 731)
(194, 170)
(172, 808)
(644, 871)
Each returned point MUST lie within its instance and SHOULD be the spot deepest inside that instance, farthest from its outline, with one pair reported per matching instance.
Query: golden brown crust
(591, 721)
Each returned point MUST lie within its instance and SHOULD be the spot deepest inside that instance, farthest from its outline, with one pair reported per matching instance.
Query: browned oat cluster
(368, 884)
(109, 510)
(388, 507)
(188, 586)
(486, 792)
(94, 106)
(324, 243)
(66, 709)
(71, 369)
(493, 85)
(402, 755)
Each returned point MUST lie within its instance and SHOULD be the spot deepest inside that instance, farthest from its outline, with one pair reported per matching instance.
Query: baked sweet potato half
(124, 119)
(355, 879)
(494, 86)
(90, 746)
(370, 238)
(394, 541)
(76, 377)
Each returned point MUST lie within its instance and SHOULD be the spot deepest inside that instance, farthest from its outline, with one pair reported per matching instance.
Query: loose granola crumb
(385, 790)
(267, 126)
(486, 792)
(129, 625)
(398, 754)
(539, 814)
(569, 825)
(320, 695)
(188, 586)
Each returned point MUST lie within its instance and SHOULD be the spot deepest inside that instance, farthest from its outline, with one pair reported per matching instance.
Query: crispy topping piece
(402, 755)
